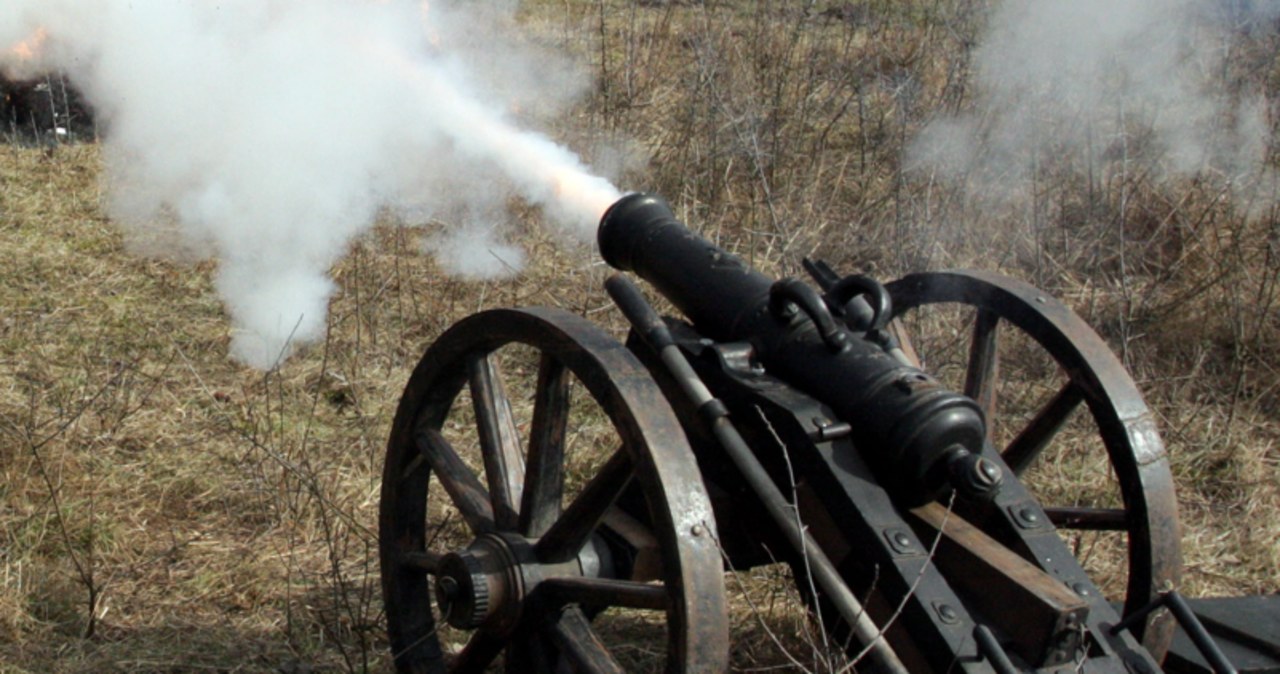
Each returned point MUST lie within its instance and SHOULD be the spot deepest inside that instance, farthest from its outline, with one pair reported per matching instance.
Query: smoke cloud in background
(1084, 81)
(269, 133)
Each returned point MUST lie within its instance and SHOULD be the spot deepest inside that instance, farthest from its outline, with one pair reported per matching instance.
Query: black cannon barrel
(922, 435)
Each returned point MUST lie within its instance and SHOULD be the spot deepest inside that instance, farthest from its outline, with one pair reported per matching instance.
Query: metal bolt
(1027, 515)
(899, 541)
(948, 613)
(697, 530)
(1081, 589)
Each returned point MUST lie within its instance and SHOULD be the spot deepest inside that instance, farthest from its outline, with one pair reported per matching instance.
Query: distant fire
(343, 111)
(28, 49)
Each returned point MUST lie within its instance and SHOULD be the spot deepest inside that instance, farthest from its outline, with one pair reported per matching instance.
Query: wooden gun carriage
(557, 501)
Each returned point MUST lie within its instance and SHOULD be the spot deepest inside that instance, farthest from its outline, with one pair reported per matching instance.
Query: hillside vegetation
(163, 509)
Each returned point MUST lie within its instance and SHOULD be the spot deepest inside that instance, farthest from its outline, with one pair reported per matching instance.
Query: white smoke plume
(1075, 80)
(271, 132)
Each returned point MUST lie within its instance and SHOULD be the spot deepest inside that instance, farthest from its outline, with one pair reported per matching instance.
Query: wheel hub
(489, 580)
(478, 583)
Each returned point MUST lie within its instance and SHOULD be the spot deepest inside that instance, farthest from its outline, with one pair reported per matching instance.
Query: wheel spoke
(574, 637)
(1121, 421)
(478, 653)
(530, 652)
(1088, 519)
(604, 592)
(424, 560)
(1024, 449)
(462, 485)
(544, 476)
(647, 564)
(499, 439)
(903, 337)
(527, 501)
(570, 532)
(983, 371)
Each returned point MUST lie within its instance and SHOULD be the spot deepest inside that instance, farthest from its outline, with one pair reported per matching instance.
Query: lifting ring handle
(850, 287)
(791, 292)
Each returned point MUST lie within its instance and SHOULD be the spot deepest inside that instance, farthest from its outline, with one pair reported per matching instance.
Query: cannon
(557, 500)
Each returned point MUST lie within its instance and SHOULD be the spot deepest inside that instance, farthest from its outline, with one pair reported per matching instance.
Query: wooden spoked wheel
(1041, 437)
(504, 538)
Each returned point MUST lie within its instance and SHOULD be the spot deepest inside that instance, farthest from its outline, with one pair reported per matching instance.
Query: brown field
(163, 509)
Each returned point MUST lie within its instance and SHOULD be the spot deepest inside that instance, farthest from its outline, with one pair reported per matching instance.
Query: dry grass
(164, 510)
(781, 133)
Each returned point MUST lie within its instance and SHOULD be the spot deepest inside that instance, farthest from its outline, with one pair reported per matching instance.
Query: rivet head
(1081, 589)
(1030, 515)
(698, 530)
(948, 613)
(900, 542)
